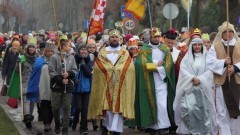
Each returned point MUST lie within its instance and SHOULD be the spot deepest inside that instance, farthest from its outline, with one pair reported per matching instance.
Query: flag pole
(188, 14)
(227, 13)
(149, 12)
(21, 90)
(91, 18)
(88, 30)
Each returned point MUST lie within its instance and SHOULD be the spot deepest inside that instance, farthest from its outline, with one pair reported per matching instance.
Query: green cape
(14, 85)
(145, 99)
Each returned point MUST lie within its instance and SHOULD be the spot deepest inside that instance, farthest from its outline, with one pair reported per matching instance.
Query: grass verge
(7, 127)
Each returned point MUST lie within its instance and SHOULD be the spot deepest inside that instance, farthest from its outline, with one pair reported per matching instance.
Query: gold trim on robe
(113, 86)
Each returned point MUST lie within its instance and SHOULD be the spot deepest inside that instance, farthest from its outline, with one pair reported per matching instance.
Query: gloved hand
(21, 59)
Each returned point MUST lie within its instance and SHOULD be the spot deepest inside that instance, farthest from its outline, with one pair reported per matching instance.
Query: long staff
(58, 43)
(21, 90)
(227, 13)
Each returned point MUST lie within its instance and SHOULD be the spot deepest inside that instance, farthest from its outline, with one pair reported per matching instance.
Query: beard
(114, 45)
(154, 43)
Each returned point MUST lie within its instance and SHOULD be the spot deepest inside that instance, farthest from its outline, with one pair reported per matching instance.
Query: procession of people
(160, 83)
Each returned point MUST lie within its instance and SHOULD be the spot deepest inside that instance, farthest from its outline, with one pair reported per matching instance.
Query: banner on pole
(97, 18)
(136, 7)
(186, 4)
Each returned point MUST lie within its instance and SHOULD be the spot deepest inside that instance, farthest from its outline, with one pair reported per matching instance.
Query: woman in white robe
(194, 105)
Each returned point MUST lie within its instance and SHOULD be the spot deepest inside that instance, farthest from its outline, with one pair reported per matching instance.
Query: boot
(95, 126)
(115, 133)
(105, 131)
(65, 131)
(28, 121)
(57, 128)
(47, 127)
(74, 126)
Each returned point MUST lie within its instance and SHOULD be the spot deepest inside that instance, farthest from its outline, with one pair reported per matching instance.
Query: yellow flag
(136, 7)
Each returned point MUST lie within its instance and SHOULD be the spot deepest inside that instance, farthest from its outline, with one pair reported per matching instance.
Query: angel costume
(194, 105)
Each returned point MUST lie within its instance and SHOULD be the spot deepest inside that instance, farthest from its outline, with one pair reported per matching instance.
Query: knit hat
(16, 37)
(42, 45)
(50, 46)
(16, 43)
(32, 42)
(128, 36)
(41, 32)
(2, 41)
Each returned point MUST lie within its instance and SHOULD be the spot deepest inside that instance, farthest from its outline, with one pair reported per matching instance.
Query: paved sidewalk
(38, 128)
(15, 116)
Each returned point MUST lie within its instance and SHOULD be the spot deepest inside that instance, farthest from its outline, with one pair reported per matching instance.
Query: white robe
(161, 91)
(113, 121)
(188, 70)
(227, 125)
(195, 67)
(175, 52)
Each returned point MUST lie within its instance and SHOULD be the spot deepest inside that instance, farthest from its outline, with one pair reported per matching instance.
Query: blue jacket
(83, 77)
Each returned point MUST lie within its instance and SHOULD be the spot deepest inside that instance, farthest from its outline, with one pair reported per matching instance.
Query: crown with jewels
(114, 32)
(155, 32)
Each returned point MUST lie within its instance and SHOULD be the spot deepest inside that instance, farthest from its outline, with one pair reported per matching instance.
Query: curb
(16, 123)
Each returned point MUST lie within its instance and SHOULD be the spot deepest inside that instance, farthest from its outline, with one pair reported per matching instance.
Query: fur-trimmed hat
(171, 34)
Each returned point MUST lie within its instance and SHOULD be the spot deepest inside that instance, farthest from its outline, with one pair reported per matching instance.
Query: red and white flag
(97, 18)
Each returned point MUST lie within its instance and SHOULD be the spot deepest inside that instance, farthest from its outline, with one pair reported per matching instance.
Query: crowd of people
(171, 82)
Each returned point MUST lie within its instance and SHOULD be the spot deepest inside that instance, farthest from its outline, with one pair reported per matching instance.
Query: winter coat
(9, 65)
(55, 67)
(83, 77)
(26, 72)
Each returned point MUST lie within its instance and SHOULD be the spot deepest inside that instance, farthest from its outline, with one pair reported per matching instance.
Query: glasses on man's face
(230, 31)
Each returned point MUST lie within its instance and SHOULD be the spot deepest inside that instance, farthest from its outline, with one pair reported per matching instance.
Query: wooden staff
(21, 90)
(227, 13)
(58, 43)
(56, 26)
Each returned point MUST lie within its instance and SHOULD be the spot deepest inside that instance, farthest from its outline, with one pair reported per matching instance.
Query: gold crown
(197, 31)
(155, 32)
(114, 32)
(132, 42)
(205, 36)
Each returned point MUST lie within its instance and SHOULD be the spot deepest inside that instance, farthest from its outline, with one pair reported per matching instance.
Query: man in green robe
(155, 86)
